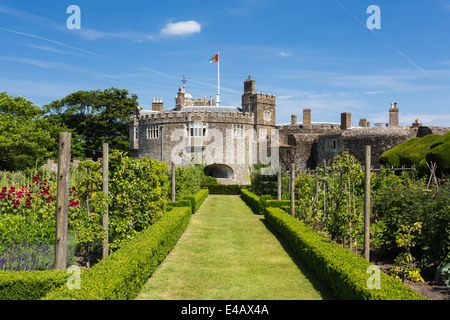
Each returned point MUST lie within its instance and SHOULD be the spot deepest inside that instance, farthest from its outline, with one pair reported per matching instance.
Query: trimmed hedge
(252, 200)
(345, 272)
(224, 188)
(29, 285)
(258, 204)
(121, 275)
(418, 151)
(197, 199)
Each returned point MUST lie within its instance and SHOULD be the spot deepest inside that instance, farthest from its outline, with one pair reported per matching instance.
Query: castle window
(196, 129)
(152, 131)
(267, 115)
(262, 133)
(238, 130)
(331, 145)
(136, 133)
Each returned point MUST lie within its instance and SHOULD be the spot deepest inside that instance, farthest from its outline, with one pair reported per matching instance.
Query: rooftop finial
(184, 81)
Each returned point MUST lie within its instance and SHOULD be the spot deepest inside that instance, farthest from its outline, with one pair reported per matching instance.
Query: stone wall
(354, 141)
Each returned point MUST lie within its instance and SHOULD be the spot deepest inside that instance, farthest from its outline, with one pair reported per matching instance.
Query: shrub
(345, 272)
(223, 188)
(252, 200)
(189, 180)
(397, 205)
(197, 199)
(419, 151)
(121, 275)
(29, 285)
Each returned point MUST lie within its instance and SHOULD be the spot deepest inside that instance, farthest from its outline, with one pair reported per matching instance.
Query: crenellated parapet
(210, 116)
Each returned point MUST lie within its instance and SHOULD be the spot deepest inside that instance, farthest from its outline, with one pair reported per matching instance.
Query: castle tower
(260, 104)
(393, 115)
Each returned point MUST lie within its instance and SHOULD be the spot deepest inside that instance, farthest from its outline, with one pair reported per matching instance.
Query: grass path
(227, 253)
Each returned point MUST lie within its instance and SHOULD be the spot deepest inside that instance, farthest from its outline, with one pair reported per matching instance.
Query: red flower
(36, 178)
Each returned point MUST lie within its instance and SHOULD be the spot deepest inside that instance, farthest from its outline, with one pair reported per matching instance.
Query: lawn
(227, 252)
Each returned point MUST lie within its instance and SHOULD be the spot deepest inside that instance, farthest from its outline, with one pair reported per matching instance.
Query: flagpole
(218, 80)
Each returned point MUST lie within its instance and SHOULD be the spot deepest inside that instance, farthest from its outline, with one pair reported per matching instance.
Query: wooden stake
(62, 201)
(292, 185)
(367, 206)
(173, 182)
(105, 221)
(279, 181)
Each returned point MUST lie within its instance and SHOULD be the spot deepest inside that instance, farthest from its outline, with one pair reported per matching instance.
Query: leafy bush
(418, 151)
(197, 199)
(190, 179)
(223, 188)
(342, 270)
(268, 184)
(137, 198)
(397, 205)
(29, 285)
(122, 274)
(252, 200)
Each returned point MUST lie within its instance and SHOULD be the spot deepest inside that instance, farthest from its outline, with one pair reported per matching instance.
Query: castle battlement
(196, 115)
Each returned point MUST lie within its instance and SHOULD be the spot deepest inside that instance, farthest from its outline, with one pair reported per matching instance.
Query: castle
(229, 140)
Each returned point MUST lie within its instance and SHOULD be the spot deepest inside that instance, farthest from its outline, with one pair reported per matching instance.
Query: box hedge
(345, 272)
(197, 199)
(418, 151)
(234, 189)
(29, 285)
(121, 275)
(252, 200)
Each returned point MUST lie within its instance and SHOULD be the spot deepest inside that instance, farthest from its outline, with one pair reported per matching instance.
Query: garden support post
(173, 182)
(62, 201)
(367, 206)
(105, 221)
(279, 181)
(292, 186)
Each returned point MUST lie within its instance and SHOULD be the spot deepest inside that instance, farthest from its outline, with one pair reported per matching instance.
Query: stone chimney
(393, 115)
(293, 120)
(346, 120)
(249, 85)
(363, 123)
(157, 104)
(306, 118)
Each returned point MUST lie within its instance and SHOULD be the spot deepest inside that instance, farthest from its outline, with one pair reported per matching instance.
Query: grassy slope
(228, 253)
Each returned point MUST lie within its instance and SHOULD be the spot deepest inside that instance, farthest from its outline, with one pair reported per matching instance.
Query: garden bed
(432, 288)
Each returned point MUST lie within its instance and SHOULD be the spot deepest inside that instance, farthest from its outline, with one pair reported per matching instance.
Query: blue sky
(316, 54)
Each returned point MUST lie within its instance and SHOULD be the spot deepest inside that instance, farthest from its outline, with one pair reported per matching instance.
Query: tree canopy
(96, 116)
(25, 137)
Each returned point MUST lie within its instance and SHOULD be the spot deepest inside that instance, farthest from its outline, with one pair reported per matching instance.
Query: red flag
(214, 59)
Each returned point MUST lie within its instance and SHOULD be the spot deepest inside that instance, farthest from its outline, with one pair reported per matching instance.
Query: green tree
(25, 140)
(96, 116)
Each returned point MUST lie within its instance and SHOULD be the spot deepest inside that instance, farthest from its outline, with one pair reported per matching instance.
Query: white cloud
(182, 28)
(284, 54)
